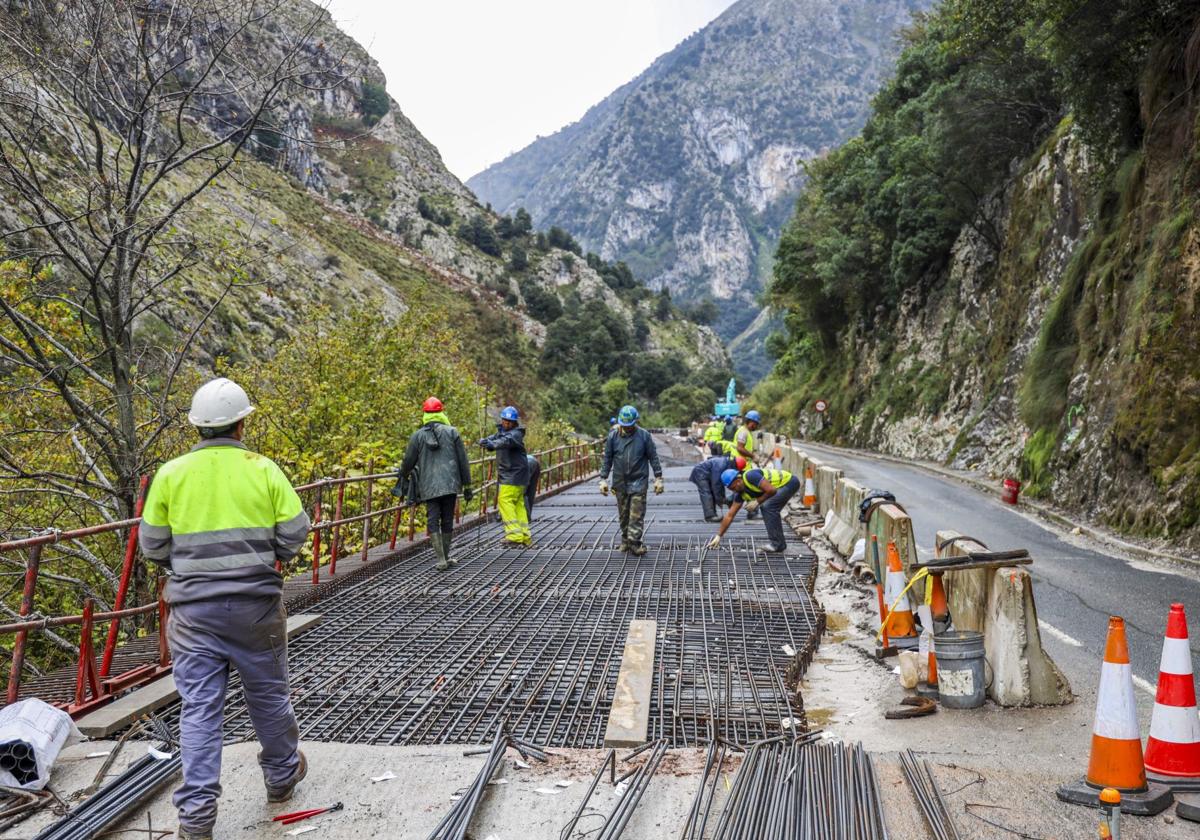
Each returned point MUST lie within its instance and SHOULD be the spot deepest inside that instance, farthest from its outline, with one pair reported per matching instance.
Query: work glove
(603, 487)
(715, 542)
(752, 506)
(484, 443)
(468, 495)
(658, 487)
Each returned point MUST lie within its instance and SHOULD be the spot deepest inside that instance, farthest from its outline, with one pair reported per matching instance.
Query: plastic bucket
(960, 664)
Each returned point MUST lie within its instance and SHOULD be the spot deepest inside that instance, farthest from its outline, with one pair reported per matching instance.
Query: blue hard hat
(728, 477)
(509, 413)
(754, 416)
(612, 420)
(628, 416)
(712, 417)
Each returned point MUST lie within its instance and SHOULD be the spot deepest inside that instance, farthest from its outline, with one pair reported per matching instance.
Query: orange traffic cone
(1173, 748)
(901, 629)
(1116, 757)
(810, 491)
(939, 615)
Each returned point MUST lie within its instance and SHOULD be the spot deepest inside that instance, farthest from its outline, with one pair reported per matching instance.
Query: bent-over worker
(759, 489)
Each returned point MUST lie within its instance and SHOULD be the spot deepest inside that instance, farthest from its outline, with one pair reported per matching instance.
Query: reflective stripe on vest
(776, 478)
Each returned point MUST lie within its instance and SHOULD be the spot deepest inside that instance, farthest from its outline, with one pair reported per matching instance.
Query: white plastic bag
(40, 726)
(859, 554)
(909, 668)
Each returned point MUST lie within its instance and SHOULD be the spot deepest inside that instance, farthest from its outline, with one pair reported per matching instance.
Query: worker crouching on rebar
(707, 477)
(630, 454)
(512, 466)
(767, 490)
(219, 518)
(434, 471)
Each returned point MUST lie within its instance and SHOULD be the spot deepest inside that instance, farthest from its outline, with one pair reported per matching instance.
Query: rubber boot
(638, 550)
(447, 539)
(439, 548)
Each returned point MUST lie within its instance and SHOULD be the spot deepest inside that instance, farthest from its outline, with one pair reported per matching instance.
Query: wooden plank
(151, 697)
(629, 718)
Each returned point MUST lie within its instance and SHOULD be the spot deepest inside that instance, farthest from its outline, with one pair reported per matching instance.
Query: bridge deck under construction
(535, 635)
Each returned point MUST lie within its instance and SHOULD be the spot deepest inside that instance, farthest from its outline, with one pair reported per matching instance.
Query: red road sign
(820, 406)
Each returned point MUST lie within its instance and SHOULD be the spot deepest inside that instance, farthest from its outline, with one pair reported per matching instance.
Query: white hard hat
(221, 402)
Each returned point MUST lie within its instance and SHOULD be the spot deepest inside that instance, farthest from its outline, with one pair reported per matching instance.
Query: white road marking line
(1145, 685)
(1058, 634)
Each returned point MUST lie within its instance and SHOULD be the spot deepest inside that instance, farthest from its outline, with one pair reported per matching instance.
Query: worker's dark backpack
(874, 499)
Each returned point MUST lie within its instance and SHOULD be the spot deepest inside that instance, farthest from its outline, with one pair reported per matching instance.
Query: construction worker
(759, 489)
(630, 454)
(512, 466)
(707, 477)
(218, 518)
(712, 432)
(743, 440)
(729, 429)
(434, 471)
(535, 475)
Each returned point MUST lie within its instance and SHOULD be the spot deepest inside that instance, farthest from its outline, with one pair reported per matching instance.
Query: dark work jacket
(630, 457)
(511, 462)
(709, 472)
(729, 430)
(435, 463)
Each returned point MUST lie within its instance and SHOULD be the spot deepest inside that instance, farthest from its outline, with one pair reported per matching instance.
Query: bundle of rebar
(629, 790)
(702, 802)
(454, 825)
(17, 757)
(801, 789)
(929, 796)
(116, 800)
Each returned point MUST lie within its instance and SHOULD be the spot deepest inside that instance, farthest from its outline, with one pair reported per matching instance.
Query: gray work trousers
(206, 638)
(772, 510)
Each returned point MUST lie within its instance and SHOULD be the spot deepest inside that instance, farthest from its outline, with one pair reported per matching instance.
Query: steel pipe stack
(929, 797)
(17, 758)
(115, 801)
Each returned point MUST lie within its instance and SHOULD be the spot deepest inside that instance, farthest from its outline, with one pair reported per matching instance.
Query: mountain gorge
(688, 172)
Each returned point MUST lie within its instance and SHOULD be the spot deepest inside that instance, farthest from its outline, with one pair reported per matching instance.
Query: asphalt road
(1077, 584)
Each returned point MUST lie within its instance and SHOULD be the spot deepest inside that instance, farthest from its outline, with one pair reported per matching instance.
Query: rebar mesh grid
(535, 635)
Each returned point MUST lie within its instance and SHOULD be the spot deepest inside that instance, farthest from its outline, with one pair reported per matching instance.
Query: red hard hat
(740, 463)
(432, 404)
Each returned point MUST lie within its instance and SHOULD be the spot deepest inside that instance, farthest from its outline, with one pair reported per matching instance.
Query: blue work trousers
(206, 638)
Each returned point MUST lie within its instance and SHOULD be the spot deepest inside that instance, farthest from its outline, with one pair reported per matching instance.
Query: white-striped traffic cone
(1116, 757)
(810, 490)
(901, 629)
(1173, 748)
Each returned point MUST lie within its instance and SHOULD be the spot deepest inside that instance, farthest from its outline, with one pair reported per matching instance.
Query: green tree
(375, 102)
(680, 404)
(614, 393)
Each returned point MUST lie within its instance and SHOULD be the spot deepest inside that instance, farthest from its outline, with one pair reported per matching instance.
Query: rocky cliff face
(688, 172)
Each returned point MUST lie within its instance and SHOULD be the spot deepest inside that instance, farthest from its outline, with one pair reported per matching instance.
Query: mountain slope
(1037, 316)
(341, 203)
(688, 172)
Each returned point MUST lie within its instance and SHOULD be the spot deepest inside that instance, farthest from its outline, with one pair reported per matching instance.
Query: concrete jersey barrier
(999, 603)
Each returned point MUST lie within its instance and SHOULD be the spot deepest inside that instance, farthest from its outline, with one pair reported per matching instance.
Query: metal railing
(330, 538)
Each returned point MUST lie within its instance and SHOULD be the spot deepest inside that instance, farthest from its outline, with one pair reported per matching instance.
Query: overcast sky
(481, 79)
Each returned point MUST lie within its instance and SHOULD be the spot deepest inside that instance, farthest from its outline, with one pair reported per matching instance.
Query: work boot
(624, 549)
(712, 519)
(638, 550)
(184, 834)
(283, 794)
(439, 549)
(446, 540)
